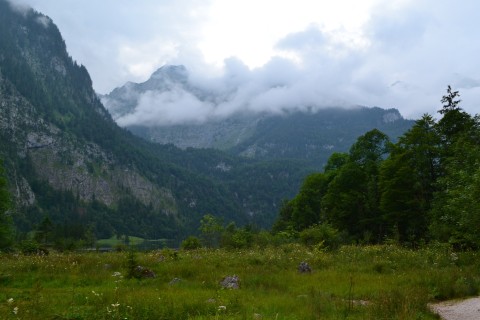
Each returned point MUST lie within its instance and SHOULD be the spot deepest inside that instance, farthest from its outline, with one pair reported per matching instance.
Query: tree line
(422, 188)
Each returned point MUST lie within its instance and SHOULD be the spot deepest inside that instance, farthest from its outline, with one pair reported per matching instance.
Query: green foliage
(191, 243)
(131, 265)
(336, 161)
(211, 230)
(306, 209)
(321, 236)
(407, 180)
(425, 187)
(31, 247)
(303, 135)
(5, 218)
(237, 238)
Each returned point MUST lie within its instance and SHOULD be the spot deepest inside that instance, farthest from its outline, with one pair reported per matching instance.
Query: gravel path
(458, 310)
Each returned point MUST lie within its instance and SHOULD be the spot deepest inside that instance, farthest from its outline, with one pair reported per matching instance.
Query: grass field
(137, 242)
(370, 282)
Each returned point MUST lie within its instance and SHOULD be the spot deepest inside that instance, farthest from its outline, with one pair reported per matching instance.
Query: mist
(391, 54)
(402, 65)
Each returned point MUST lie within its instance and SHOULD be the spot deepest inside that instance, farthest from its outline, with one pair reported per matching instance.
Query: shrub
(321, 235)
(28, 247)
(191, 243)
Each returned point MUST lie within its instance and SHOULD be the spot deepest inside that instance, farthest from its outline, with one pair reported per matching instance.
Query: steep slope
(67, 159)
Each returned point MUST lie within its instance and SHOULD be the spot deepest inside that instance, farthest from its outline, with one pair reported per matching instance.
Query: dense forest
(425, 187)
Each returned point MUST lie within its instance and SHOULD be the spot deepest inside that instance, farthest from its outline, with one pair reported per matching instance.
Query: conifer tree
(5, 219)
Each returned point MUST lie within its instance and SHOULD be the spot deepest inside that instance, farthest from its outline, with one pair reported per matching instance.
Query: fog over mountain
(174, 96)
(275, 55)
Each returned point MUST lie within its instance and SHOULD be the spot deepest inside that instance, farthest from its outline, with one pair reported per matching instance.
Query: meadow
(353, 282)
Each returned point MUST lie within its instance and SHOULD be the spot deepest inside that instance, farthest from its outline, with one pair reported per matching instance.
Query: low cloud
(170, 107)
(20, 7)
(404, 56)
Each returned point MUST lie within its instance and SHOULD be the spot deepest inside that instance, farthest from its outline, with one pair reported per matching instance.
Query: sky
(279, 54)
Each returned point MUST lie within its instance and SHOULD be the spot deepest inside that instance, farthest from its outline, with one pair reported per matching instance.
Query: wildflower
(15, 310)
(115, 305)
(116, 274)
(222, 308)
(10, 301)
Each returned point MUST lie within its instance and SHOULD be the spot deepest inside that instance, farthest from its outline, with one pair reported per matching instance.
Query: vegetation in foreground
(354, 282)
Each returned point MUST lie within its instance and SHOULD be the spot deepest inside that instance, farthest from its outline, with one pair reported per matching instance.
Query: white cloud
(273, 55)
(20, 7)
(172, 107)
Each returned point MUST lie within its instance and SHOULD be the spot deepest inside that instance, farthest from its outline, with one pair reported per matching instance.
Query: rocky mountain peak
(174, 73)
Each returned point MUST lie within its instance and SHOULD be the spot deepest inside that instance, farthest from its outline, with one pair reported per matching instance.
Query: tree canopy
(5, 219)
(424, 187)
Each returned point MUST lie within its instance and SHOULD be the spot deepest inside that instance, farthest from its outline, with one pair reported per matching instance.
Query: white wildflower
(220, 308)
(10, 301)
(15, 310)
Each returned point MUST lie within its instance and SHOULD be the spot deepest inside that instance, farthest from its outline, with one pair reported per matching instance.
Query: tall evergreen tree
(5, 219)
(407, 179)
(456, 210)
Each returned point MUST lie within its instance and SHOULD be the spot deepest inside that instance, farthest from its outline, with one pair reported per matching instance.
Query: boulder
(143, 273)
(230, 282)
(303, 267)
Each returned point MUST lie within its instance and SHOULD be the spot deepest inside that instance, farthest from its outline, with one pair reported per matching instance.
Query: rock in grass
(303, 267)
(174, 281)
(143, 273)
(230, 282)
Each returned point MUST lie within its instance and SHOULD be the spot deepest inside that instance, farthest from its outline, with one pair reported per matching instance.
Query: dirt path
(458, 309)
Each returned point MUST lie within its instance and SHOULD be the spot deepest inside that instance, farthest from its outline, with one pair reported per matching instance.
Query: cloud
(171, 107)
(120, 40)
(20, 7)
(401, 53)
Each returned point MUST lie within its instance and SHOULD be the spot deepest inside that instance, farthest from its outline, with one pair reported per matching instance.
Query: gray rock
(144, 273)
(303, 267)
(174, 281)
(230, 282)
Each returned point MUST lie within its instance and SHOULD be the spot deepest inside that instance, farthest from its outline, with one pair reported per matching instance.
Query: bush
(29, 247)
(191, 243)
(321, 235)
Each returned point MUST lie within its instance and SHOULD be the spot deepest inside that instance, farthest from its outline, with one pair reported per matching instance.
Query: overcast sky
(391, 53)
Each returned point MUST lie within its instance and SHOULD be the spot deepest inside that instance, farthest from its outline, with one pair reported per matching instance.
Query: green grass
(115, 241)
(136, 242)
(372, 282)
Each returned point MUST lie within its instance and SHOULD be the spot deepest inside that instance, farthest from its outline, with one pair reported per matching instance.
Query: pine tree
(5, 218)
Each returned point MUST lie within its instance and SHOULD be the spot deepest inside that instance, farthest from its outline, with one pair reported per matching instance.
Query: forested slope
(424, 187)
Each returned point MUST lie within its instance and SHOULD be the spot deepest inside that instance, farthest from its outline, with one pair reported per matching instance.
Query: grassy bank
(373, 282)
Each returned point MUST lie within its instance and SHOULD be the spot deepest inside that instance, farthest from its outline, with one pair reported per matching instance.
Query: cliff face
(44, 95)
(56, 137)
(67, 159)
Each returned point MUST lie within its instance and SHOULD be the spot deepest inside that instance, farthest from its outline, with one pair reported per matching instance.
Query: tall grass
(371, 282)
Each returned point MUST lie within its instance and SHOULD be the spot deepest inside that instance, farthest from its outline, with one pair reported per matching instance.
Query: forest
(420, 189)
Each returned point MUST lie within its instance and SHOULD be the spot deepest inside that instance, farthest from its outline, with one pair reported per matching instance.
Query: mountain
(66, 159)
(311, 135)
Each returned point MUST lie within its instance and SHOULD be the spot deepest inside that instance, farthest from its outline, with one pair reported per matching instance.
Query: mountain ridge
(308, 134)
(67, 159)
